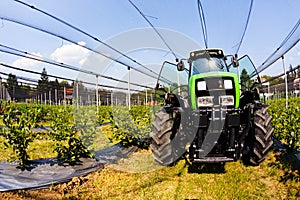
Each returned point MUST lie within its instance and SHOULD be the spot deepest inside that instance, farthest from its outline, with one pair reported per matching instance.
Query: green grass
(38, 149)
(232, 181)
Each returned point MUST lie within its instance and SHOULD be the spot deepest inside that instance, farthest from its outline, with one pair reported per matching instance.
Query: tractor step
(212, 160)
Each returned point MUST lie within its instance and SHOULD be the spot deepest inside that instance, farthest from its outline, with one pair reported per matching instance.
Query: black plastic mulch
(46, 172)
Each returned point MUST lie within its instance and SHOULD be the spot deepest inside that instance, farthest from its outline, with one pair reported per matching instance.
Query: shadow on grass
(211, 168)
(288, 162)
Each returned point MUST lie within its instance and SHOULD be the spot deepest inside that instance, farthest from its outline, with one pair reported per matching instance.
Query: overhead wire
(202, 22)
(58, 77)
(204, 27)
(21, 77)
(60, 64)
(245, 28)
(263, 66)
(71, 41)
(154, 28)
(87, 34)
(25, 83)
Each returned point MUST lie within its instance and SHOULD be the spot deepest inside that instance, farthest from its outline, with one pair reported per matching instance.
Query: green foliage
(18, 131)
(73, 132)
(86, 123)
(104, 114)
(286, 121)
(131, 127)
(69, 146)
(141, 115)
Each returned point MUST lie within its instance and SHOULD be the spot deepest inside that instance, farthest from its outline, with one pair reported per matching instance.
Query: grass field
(231, 181)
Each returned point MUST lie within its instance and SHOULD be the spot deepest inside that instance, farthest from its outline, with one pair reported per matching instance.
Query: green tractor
(212, 111)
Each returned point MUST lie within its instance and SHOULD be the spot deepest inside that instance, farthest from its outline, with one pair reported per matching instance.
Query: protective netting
(288, 43)
(123, 66)
(220, 24)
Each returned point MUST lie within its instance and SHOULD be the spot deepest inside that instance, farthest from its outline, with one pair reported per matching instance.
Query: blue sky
(270, 22)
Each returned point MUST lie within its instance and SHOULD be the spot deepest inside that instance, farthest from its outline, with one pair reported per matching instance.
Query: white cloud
(70, 53)
(81, 43)
(25, 62)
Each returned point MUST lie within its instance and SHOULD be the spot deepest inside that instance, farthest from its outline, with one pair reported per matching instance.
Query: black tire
(164, 128)
(261, 143)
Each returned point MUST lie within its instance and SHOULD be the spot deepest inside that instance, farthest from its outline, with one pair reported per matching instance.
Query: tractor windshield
(204, 65)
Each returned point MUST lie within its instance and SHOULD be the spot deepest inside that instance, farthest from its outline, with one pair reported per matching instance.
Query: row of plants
(131, 127)
(127, 127)
(19, 131)
(72, 130)
(286, 121)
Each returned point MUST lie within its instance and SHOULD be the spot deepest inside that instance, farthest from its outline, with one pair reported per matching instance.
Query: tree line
(19, 91)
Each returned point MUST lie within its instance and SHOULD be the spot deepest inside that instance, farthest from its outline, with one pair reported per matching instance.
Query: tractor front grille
(215, 88)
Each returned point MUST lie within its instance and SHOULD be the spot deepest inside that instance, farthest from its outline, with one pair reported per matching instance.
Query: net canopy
(288, 43)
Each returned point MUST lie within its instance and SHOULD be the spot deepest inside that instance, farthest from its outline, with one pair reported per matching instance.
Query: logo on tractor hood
(220, 84)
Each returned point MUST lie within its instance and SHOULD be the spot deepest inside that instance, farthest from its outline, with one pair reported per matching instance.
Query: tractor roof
(217, 53)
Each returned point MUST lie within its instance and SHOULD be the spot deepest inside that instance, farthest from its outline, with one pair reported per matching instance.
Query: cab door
(173, 81)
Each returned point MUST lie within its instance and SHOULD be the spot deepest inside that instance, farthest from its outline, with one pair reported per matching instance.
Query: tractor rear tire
(163, 128)
(262, 140)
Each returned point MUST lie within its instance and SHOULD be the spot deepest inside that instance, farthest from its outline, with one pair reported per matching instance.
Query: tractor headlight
(228, 84)
(227, 100)
(201, 85)
(206, 101)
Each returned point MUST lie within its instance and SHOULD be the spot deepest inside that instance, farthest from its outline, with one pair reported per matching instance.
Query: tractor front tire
(162, 132)
(261, 142)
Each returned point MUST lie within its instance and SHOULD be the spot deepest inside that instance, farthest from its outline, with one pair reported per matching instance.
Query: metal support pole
(50, 97)
(55, 91)
(146, 98)
(97, 97)
(111, 98)
(65, 100)
(129, 88)
(286, 84)
(45, 98)
(77, 103)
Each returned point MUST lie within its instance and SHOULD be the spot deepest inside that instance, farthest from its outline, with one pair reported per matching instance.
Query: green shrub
(131, 128)
(69, 146)
(104, 114)
(86, 123)
(286, 121)
(18, 132)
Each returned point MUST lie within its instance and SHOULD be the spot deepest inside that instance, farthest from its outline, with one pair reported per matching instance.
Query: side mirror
(235, 61)
(180, 66)
(160, 87)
